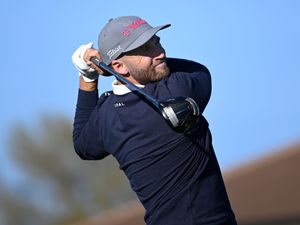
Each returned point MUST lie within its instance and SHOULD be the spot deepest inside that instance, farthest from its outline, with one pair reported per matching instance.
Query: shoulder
(188, 70)
(103, 97)
(189, 78)
(185, 65)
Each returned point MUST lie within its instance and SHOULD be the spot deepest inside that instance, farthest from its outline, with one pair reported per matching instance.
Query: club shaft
(130, 85)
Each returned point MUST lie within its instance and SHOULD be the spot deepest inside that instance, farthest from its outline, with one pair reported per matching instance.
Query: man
(175, 175)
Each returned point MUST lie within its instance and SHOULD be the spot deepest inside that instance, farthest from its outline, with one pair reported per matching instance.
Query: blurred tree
(55, 186)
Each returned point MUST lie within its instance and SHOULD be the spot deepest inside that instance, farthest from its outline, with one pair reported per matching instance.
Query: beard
(150, 74)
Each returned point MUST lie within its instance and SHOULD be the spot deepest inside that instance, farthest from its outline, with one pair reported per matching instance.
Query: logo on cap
(113, 51)
(133, 26)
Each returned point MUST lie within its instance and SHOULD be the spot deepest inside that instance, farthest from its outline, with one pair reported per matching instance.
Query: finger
(89, 53)
(96, 67)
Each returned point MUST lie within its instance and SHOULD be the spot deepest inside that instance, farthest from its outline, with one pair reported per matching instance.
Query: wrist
(88, 86)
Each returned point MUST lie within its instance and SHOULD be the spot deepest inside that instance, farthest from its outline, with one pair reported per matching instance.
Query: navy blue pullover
(176, 176)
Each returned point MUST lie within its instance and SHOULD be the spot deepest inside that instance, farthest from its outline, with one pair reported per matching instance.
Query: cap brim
(146, 36)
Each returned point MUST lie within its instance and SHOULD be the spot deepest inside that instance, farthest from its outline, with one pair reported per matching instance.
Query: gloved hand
(88, 73)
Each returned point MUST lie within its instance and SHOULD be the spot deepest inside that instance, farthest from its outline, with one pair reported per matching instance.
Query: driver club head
(181, 112)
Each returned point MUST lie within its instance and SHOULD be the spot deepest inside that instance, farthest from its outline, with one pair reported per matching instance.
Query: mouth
(161, 64)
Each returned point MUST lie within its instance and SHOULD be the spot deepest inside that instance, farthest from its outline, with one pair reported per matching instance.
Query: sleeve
(192, 76)
(86, 127)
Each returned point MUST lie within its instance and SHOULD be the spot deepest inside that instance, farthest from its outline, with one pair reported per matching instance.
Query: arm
(88, 86)
(199, 82)
(86, 126)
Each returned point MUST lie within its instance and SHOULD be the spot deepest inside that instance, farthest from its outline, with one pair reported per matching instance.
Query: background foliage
(54, 185)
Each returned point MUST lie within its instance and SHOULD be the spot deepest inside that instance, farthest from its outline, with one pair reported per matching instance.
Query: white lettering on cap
(113, 51)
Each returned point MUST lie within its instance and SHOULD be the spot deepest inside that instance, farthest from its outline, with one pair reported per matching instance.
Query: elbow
(80, 151)
(78, 146)
(85, 153)
(87, 150)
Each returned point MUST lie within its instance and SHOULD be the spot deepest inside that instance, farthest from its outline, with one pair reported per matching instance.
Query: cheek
(148, 62)
(141, 61)
(143, 64)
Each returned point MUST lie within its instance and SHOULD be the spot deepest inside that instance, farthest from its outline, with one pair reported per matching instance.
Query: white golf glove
(88, 73)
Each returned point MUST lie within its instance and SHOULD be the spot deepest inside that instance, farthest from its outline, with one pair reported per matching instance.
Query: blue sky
(252, 49)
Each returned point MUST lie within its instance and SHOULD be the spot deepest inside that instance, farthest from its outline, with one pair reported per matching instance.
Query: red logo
(133, 26)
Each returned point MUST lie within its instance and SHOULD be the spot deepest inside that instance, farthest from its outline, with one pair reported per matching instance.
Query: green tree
(55, 186)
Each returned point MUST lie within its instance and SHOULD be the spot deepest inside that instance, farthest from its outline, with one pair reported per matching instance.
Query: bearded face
(148, 62)
(148, 73)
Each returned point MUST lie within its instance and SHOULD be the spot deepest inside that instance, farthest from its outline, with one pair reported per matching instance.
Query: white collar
(122, 89)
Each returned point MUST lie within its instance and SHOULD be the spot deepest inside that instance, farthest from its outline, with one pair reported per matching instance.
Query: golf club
(180, 112)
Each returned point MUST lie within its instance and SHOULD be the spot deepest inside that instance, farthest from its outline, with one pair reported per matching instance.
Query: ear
(119, 67)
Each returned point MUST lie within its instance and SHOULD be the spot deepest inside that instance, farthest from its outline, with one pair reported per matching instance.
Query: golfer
(174, 174)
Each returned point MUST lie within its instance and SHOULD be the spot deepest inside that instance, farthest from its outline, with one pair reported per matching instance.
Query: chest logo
(119, 104)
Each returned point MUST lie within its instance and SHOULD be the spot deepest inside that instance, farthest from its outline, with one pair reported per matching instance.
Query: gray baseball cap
(124, 34)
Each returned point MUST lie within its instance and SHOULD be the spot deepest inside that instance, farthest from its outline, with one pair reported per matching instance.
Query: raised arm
(86, 126)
